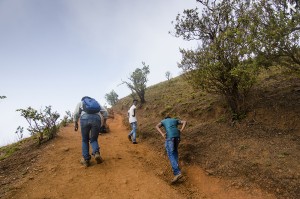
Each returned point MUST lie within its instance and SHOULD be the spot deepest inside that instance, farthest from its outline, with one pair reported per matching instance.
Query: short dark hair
(135, 100)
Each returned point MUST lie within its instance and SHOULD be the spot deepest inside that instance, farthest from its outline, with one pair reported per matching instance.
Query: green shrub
(42, 124)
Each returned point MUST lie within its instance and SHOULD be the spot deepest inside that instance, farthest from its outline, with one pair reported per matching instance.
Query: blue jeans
(90, 127)
(171, 145)
(133, 131)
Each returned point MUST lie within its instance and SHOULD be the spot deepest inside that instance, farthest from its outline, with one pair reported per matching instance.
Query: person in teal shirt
(172, 139)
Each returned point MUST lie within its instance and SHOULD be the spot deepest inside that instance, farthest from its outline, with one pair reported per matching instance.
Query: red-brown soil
(128, 171)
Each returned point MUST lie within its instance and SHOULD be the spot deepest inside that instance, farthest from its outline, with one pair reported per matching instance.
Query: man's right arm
(159, 130)
(76, 113)
(76, 116)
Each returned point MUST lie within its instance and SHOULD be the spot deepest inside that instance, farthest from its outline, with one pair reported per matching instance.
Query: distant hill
(261, 150)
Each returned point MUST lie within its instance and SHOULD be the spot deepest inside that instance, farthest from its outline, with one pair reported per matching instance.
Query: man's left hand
(76, 126)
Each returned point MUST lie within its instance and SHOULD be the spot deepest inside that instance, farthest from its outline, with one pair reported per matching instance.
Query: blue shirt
(170, 125)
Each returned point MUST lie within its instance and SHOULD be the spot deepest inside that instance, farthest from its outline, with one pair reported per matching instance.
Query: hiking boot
(129, 138)
(84, 162)
(134, 142)
(98, 158)
(176, 178)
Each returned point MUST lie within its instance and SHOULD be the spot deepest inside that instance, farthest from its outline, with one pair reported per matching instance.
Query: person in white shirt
(133, 122)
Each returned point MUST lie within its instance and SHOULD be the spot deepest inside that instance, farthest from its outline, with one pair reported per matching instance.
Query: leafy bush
(41, 123)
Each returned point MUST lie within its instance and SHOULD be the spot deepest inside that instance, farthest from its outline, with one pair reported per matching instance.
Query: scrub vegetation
(260, 150)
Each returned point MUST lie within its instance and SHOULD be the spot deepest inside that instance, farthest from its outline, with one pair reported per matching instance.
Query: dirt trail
(128, 171)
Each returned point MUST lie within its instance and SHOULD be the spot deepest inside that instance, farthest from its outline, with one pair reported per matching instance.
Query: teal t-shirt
(170, 125)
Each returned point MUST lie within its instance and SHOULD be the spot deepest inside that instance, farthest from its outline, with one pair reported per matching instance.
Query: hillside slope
(128, 172)
(260, 151)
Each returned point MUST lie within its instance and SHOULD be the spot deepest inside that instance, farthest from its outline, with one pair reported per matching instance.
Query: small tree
(41, 123)
(223, 62)
(111, 98)
(168, 75)
(69, 115)
(19, 132)
(138, 80)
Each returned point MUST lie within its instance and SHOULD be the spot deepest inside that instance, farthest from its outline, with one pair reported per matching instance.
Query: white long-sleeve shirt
(79, 112)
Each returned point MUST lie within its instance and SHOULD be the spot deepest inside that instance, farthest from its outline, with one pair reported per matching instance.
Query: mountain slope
(260, 151)
(128, 171)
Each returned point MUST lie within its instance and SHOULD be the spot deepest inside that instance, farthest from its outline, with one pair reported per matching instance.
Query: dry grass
(262, 150)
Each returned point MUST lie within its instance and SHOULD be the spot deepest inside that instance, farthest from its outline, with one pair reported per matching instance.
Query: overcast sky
(53, 52)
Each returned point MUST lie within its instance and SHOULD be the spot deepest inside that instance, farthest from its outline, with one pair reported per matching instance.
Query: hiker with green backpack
(91, 120)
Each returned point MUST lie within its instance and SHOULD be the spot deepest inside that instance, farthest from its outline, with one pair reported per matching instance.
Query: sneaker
(134, 142)
(176, 178)
(98, 158)
(84, 162)
(129, 138)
